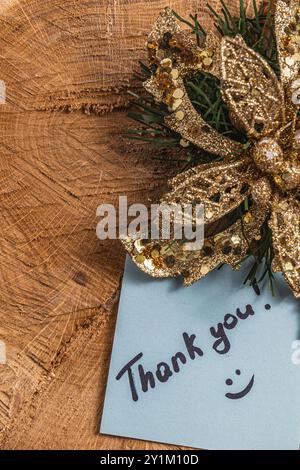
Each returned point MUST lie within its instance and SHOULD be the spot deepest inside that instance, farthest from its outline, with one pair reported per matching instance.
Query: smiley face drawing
(243, 393)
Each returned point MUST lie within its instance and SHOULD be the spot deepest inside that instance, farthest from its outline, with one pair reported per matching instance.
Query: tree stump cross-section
(67, 66)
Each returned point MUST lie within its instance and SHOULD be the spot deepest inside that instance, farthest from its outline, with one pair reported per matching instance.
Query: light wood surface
(67, 66)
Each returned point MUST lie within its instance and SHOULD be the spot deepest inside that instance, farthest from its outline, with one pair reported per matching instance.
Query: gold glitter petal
(200, 185)
(179, 115)
(195, 264)
(193, 128)
(243, 71)
(285, 225)
(186, 58)
(175, 74)
(222, 251)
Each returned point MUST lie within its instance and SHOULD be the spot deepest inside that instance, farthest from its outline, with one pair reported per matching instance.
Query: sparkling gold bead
(268, 155)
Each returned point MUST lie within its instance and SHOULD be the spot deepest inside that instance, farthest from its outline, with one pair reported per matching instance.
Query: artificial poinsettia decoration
(265, 172)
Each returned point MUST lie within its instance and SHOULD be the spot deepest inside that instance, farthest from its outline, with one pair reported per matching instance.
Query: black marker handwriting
(139, 378)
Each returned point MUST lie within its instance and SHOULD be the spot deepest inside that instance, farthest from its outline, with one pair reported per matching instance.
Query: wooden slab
(67, 66)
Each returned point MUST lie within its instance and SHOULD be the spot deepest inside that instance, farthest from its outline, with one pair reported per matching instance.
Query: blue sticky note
(213, 365)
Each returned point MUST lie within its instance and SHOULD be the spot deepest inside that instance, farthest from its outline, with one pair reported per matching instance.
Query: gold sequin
(176, 104)
(184, 143)
(174, 74)
(179, 115)
(178, 93)
(140, 259)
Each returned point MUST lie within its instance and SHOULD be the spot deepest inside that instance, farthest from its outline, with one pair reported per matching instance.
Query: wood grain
(67, 66)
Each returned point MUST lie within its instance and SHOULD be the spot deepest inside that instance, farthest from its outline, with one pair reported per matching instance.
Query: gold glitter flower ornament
(268, 171)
